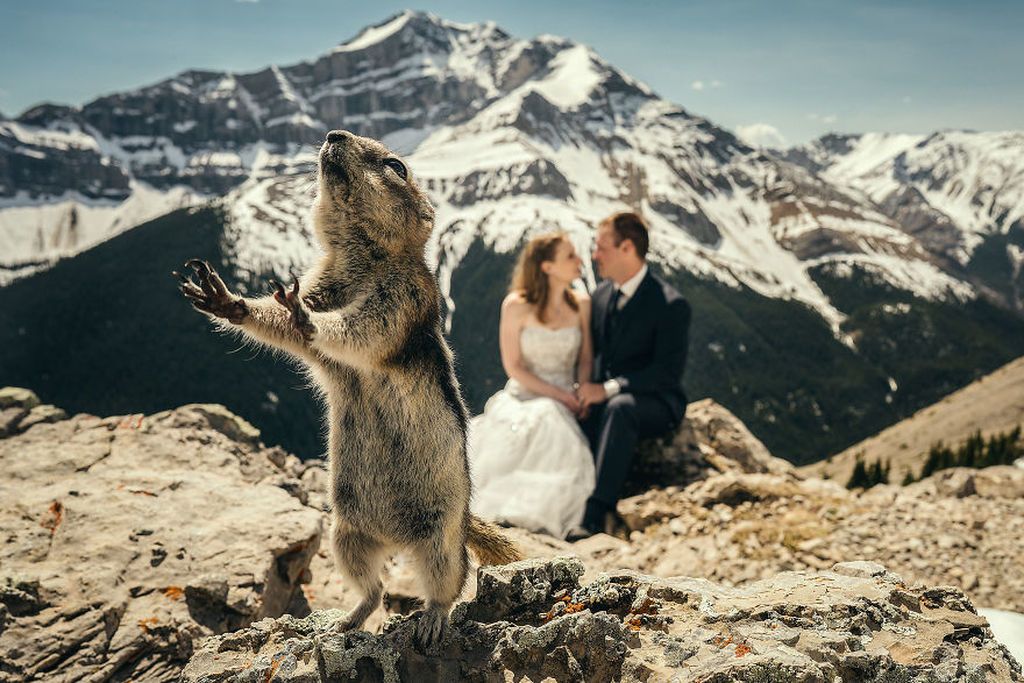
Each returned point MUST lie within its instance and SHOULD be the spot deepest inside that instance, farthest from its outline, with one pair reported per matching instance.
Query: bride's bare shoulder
(515, 303)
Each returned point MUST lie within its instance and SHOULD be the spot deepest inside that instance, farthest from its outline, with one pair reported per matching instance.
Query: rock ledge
(533, 620)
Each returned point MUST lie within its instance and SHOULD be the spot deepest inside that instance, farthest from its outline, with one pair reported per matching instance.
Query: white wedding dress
(529, 460)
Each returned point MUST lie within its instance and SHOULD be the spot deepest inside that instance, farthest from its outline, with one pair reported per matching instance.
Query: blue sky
(797, 69)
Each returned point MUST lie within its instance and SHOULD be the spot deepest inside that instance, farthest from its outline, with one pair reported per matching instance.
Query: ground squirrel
(366, 321)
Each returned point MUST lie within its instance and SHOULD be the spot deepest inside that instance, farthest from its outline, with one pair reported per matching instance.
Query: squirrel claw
(210, 295)
(291, 300)
(280, 295)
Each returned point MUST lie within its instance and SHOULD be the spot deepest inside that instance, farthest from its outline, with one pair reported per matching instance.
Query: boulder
(20, 409)
(129, 539)
(710, 439)
(1001, 481)
(534, 620)
(40, 414)
(19, 397)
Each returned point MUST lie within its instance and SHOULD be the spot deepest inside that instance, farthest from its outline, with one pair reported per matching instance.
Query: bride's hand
(570, 401)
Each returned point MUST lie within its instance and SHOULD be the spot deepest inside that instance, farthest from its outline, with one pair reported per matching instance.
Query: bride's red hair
(530, 280)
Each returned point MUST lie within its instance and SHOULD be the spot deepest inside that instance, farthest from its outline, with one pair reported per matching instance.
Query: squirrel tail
(490, 545)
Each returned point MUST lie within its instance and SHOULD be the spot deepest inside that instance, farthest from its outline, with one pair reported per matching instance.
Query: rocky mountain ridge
(992, 404)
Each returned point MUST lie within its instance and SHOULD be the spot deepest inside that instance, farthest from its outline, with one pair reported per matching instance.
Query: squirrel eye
(397, 166)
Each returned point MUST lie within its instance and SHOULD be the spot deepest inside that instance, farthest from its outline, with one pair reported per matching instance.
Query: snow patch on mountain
(572, 78)
(870, 154)
(37, 232)
(269, 228)
(60, 136)
(375, 34)
(921, 278)
(977, 179)
(754, 257)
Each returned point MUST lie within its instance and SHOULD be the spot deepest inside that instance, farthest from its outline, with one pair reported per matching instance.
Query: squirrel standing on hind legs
(366, 322)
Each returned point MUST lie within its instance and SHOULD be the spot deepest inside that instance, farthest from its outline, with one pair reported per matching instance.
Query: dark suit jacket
(646, 350)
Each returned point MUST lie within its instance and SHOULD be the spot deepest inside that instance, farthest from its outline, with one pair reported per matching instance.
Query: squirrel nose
(336, 136)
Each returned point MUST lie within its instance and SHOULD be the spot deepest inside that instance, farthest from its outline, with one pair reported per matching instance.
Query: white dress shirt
(626, 291)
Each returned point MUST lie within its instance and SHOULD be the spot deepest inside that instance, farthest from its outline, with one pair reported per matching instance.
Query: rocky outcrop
(535, 178)
(710, 440)
(1002, 481)
(533, 620)
(710, 448)
(20, 409)
(128, 539)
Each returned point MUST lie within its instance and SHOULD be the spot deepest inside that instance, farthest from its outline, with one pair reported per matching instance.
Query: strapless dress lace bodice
(551, 353)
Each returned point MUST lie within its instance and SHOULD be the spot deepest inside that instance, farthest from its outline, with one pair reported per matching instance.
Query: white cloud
(906, 99)
(827, 118)
(761, 135)
(702, 85)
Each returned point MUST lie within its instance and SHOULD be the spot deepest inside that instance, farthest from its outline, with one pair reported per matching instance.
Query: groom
(639, 326)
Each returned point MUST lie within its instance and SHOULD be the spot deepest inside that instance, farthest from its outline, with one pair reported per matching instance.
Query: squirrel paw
(431, 626)
(211, 295)
(291, 300)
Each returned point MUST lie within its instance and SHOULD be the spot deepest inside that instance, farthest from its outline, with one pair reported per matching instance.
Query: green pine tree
(1003, 448)
(859, 477)
(876, 473)
(931, 463)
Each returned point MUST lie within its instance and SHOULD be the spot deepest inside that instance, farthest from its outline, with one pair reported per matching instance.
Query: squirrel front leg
(344, 335)
(360, 334)
(264, 320)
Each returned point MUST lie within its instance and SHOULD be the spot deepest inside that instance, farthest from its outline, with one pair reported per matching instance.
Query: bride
(530, 462)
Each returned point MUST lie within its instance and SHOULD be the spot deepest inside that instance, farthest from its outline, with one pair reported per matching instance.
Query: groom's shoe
(586, 529)
(594, 522)
(615, 526)
(610, 524)
(578, 533)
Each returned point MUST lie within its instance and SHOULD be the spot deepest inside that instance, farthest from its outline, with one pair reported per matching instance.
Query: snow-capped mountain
(511, 137)
(951, 190)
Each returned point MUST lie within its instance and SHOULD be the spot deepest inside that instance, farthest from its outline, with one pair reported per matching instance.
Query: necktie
(613, 308)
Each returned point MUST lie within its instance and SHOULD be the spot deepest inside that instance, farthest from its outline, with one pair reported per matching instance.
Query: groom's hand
(590, 394)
